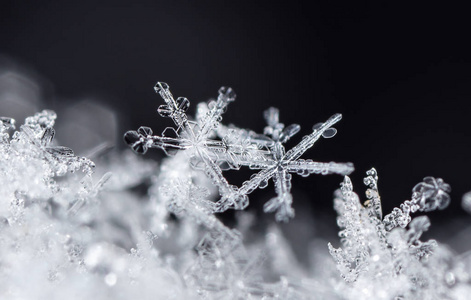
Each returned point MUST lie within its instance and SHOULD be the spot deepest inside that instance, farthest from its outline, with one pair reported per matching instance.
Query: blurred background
(399, 74)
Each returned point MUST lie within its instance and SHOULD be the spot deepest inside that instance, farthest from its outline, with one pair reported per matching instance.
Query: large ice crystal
(380, 259)
(236, 148)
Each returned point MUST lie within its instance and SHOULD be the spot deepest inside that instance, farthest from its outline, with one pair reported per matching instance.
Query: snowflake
(280, 163)
(235, 148)
(188, 135)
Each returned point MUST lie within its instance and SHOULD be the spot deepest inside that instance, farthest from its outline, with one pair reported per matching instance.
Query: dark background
(399, 73)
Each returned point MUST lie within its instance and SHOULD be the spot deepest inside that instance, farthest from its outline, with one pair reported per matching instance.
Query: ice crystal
(378, 251)
(236, 148)
(190, 136)
(280, 163)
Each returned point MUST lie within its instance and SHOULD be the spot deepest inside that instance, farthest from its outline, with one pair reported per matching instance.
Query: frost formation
(71, 228)
(380, 259)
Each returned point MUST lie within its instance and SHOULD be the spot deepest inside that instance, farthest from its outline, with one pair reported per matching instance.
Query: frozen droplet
(329, 133)
(289, 131)
(111, 279)
(303, 172)
(317, 126)
(263, 184)
(450, 278)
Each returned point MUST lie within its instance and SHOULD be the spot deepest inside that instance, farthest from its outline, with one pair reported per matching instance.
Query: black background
(399, 73)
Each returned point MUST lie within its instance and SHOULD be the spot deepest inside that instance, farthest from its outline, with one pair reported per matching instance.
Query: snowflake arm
(428, 195)
(174, 109)
(309, 140)
(283, 201)
(229, 193)
(211, 118)
(351, 259)
(143, 139)
(258, 180)
(306, 167)
(373, 202)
